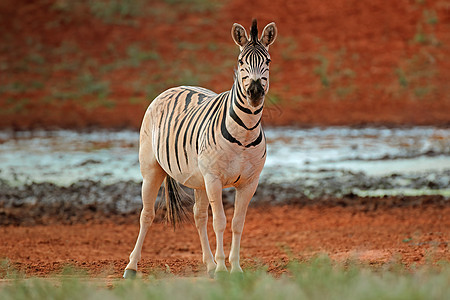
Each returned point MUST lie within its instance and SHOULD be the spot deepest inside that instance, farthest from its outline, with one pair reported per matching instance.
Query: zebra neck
(242, 123)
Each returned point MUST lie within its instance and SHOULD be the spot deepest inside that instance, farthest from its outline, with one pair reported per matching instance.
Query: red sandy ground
(271, 236)
(386, 63)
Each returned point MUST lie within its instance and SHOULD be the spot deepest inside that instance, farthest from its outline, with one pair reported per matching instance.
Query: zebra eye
(268, 61)
(241, 62)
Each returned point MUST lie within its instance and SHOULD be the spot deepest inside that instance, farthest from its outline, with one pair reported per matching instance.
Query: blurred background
(363, 86)
(78, 64)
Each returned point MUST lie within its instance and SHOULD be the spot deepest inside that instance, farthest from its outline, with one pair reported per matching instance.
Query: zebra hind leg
(150, 187)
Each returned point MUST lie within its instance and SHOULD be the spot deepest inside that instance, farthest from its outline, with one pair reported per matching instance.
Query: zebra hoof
(237, 276)
(129, 274)
(221, 275)
(211, 273)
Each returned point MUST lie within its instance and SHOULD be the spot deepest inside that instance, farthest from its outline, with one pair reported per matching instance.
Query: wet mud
(90, 201)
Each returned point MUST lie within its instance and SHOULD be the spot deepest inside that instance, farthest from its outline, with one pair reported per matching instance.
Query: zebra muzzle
(255, 92)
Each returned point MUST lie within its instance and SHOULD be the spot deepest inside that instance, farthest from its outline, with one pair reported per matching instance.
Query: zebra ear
(239, 35)
(269, 34)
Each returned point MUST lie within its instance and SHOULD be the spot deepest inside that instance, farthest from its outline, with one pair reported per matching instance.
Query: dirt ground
(272, 235)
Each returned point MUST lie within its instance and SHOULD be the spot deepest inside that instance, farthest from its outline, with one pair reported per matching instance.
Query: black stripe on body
(209, 108)
(188, 99)
(258, 110)
(190, 113)
(201, 98)
(265, 148)
(159, 136)
(213, 122)
(196, 110)
(217, 101)
(194, 126)
(257, 141)
(243, 109)
(225, 133)
(238, 120)
(168, 130)
(217, 119)
(180, 126)
(240, 94)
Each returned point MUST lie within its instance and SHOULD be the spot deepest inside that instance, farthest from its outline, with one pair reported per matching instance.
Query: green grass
(417, 76)
(425, 29)
(90, 85)
(197, 6)
(336, 79)
(344, 91)
(422, 91)
(318, 278)
(289, 48)
(116, 11)
(136, 55)
(322, 70)
(134, 59)
(402, 80)
(430, 17)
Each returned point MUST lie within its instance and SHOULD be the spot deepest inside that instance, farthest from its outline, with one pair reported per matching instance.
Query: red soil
(271, 236)
(344, 62)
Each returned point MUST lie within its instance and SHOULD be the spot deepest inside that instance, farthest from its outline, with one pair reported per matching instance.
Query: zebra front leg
(214, 191)
(150, 188)
(201, 221)
(243, 196)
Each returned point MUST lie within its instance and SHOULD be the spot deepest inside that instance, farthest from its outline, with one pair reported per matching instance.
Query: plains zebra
(208, 142)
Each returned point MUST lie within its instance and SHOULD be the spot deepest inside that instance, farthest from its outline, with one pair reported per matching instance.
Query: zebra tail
(177, 202)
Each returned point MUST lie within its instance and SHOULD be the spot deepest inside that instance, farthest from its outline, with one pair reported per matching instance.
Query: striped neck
(242, 122)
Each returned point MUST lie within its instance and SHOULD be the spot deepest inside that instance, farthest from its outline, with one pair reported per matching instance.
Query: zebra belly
(191, 178)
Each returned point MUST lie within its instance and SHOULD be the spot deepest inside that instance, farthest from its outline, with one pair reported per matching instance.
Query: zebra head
(254, 60)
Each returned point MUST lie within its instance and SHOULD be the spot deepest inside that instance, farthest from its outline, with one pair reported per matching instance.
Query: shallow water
(373, 151)
(367, 161)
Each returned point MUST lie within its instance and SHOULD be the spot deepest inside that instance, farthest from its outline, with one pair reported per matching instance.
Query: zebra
(208, 142)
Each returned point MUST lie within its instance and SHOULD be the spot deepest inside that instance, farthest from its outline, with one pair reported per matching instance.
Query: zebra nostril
(256, 85)
(255, 90)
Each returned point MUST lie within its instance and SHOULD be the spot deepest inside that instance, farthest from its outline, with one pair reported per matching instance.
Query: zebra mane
(254, 32)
